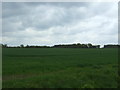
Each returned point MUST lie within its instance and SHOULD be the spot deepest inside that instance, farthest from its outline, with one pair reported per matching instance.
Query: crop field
(59, 68)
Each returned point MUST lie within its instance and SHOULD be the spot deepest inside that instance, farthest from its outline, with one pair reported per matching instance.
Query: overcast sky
(59, 23)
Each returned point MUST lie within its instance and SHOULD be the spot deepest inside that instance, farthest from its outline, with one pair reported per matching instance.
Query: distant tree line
(111, 46)
(22, 46)
(78, 45)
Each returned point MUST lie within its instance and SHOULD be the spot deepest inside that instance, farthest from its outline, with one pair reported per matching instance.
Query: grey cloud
(13, 9)
(52, 23)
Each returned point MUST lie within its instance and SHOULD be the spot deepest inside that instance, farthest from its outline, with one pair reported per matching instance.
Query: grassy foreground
(59, 68)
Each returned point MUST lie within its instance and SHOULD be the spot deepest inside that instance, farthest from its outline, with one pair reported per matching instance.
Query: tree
(89, 45)
(98, 46)
(4, 46)
(27, 46)
(22, 46)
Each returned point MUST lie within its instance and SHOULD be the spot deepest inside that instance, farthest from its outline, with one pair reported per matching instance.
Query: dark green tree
(22, 46)
(89, 45)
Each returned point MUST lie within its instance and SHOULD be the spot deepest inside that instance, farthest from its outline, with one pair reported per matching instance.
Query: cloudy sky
(44, 23)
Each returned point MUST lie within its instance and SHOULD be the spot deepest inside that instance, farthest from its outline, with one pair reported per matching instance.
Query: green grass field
(59, 68)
